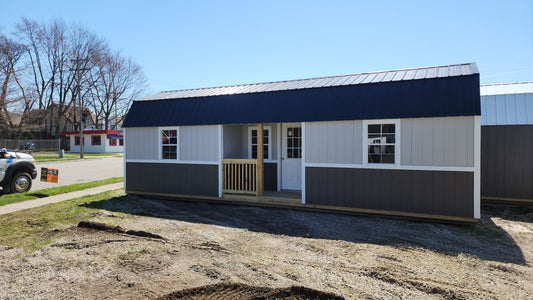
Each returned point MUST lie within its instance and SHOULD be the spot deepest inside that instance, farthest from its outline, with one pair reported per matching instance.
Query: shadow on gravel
(485, 240)
(225, 291)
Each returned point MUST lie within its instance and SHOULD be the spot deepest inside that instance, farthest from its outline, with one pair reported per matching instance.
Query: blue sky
(195, 44)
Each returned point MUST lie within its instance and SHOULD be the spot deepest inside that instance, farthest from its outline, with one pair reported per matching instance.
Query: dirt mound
(117, 229)
(244, 292)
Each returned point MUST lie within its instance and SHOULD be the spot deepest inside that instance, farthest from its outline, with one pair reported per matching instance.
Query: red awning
(110, 131)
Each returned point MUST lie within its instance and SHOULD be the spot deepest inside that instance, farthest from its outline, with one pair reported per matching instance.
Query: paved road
(80, 171)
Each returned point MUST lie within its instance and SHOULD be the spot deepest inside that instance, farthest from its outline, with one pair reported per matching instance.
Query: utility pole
(77, 69)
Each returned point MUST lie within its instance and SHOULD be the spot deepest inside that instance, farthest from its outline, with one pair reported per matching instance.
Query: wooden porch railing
(239, 176)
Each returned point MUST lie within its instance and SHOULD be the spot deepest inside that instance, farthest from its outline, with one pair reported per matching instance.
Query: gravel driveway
(204, 244)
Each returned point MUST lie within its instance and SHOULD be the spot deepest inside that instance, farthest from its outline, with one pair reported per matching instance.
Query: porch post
(259, 191)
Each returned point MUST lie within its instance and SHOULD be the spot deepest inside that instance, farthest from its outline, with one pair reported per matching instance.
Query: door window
(294, 142)
(266, 143)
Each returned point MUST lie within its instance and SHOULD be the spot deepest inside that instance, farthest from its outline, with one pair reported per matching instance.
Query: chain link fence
(31, 145)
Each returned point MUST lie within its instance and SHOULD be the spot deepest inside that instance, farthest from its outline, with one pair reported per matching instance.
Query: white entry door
(291, 156)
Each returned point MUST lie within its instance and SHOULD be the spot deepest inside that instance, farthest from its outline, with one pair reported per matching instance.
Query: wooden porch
(240, 181)
(269, 198)
(245, 176)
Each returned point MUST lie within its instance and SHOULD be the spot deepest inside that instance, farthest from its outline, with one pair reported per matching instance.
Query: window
(266, 142)
(112, 142)
(169, 144)
(294, 142)
(121, 142)
(77, 140)
(96, 140)
(381, 143)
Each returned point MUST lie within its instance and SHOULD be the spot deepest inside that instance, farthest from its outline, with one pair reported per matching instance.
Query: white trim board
(279, 140)
(477, 167)
(172, 161)
(391, 167)
(303, 163)
(220, 156)
(124, 155)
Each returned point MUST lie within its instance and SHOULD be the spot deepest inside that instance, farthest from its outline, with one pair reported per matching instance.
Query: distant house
(46, 123)
(401, 142)
(65, 118)
(96, 141)
(507, 141)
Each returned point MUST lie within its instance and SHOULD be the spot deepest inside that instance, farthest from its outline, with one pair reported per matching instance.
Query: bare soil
(251, 253)
(223, 291)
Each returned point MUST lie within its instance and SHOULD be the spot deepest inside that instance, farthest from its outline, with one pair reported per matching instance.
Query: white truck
(16, 171)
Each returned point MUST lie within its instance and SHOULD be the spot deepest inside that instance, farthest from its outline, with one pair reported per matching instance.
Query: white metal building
(96, 141)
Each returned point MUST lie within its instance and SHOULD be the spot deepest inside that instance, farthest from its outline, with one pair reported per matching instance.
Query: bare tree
(86, 49)
(53, 67)
(10, 56)
(117, 81)
(32, 35)
(55, 47)
(25, 98)
(59, 57)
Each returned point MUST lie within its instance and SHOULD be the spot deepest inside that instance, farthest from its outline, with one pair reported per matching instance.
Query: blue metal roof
(422, 92)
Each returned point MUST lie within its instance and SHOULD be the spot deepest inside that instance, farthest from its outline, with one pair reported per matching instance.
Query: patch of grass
(32, 229)
(12, 198)
(52, 156)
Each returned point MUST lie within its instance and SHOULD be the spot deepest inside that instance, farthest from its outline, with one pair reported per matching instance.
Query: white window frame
(397, 145)
(160, 129)
(285, 140)
(269, 128)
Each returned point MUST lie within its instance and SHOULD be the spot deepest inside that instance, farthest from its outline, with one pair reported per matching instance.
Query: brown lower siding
(180, 179)
(507, 162)
(445, 193)
(183, 179)
(271, 176)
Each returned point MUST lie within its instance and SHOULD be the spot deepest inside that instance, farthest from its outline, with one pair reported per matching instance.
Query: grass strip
(12, 198)
(31, 229)
(71, 156)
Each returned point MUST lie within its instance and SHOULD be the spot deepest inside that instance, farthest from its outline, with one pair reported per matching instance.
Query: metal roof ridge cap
(472, 64)
(305, 83)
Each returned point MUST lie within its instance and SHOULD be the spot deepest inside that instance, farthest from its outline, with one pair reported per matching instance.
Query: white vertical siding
(333, 142)
(437, 141)
(233, 140)
(198, 143)
(142, 143)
